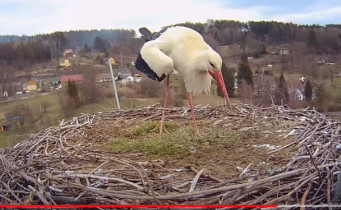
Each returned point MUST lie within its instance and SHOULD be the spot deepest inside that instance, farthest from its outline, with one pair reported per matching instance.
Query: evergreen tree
(308, 91)
(282, 95)
(86, 49)
(244, 71)
(322, 99)
(312, 40)
(101, 45)
(228, 80)
(72, 92)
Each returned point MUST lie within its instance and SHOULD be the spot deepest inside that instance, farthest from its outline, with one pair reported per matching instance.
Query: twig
(195, 180)
(312, 160)
(305, 196)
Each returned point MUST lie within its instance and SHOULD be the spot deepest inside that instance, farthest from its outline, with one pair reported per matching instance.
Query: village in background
(47, 78)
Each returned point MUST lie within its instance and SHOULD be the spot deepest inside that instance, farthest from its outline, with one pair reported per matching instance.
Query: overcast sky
(32, 17)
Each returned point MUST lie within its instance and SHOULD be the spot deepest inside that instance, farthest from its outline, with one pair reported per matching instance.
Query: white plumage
(184, 50)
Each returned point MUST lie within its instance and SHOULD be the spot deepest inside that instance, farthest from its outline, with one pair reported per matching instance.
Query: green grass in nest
(149, 127)
(145, 139)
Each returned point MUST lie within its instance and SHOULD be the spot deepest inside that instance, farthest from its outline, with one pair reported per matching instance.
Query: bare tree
(44, 105)
(89, 91)
(22, 114)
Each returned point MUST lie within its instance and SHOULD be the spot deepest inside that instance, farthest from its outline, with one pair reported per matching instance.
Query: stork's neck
(201, 62)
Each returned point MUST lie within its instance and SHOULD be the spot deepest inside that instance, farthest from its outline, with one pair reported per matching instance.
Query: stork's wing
(153, 62)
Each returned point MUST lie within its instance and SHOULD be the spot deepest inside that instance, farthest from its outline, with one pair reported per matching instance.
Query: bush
(68, 105)
(149, 88)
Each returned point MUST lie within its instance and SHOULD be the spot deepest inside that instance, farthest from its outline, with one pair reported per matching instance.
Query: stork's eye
(211, 64)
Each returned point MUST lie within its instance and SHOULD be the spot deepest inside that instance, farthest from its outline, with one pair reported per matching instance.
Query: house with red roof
(73, 77)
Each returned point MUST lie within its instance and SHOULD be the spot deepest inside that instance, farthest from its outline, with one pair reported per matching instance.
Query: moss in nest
(152, 127)
(176, 143)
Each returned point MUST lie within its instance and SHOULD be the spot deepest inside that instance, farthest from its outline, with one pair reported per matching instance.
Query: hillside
(247, 155)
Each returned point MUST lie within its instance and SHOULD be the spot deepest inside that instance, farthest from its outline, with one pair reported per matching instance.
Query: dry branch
(52, 166)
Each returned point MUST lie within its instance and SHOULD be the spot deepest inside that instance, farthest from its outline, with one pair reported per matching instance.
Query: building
(104, 77)
(65, 63)
(283, 51)
(32, 85)
(5, 94)
(68, 53)
(295, 94)
(74, 78)
(124, 73)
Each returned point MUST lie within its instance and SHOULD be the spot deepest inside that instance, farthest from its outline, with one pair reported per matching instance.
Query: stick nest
(55, 167)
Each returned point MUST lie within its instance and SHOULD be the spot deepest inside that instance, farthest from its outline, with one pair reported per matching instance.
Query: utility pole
(114, 84)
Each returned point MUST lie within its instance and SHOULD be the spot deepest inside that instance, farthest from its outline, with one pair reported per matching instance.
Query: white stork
(182, 49)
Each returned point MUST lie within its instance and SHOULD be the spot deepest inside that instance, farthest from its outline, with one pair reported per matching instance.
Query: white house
(5, 94)
(295, 94)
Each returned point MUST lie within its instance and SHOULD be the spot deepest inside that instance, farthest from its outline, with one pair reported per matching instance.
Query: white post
(114, 84)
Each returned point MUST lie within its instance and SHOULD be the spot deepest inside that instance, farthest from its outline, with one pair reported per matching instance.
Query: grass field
(54, 113)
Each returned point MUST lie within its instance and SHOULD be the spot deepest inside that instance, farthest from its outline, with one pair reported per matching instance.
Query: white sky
(31, 17)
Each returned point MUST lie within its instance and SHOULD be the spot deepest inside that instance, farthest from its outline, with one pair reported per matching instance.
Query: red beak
(219, 77)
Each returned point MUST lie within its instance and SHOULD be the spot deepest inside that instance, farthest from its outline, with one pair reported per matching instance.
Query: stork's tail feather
(146, 34)
(142, 66)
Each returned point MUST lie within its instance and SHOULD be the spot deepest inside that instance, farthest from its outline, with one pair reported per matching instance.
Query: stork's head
(214, 69)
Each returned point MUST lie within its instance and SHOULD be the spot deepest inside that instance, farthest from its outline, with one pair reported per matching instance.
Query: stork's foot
(197, 132)
(161, 127)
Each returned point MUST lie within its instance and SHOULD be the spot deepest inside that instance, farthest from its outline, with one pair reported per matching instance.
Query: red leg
(189, 96)
(164, 105)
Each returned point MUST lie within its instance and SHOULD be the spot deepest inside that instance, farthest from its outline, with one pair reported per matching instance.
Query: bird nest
(286, 157)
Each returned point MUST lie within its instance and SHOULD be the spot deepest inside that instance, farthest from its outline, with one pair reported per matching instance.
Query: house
(112, 61)
(65, 63)
(138, 78)
(68, 53)
(126, 80)
(74, 78)
(5, 94)
(283, 51)
(295, 94)
(32, 85)
(124, 73)
(329, 61)
(55, 82)
(104, 77)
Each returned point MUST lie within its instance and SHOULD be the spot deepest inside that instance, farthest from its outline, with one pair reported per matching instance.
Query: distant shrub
(149, 88)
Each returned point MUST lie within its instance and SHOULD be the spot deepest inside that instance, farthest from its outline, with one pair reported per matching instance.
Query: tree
(308, 91)
(44, 105)
(22, 113)
(245, 91)
(72, 91)
(229, 80)
(101, 45)
(244, 71)
(282, 95)
(322, 99)
(90, 93)
(312, 40)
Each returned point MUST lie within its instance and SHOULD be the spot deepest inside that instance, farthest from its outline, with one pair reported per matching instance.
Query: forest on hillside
(307, 45)
(255, 35)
